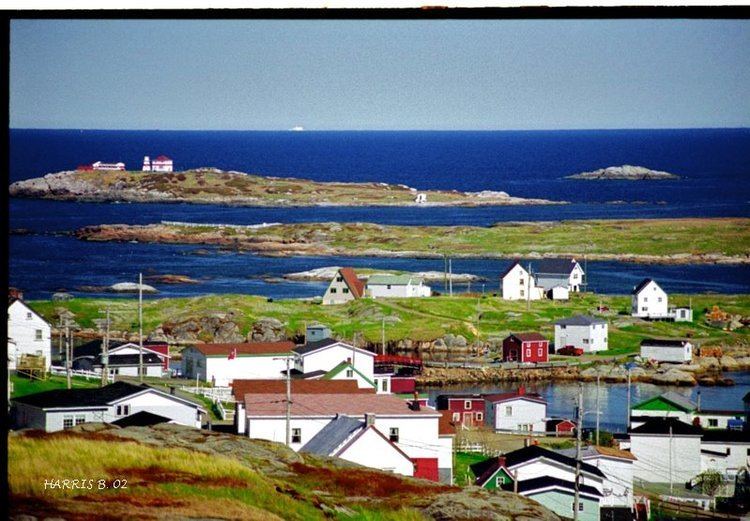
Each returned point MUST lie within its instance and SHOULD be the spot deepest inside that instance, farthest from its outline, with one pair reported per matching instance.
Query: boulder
(157, 335)
(131, 287)
(477, 503)
(674, 377)
(728, 363)
(709, 363)
(267, 330)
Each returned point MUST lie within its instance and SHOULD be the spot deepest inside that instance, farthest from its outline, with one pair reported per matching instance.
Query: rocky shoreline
(319, 239)
(214, 186)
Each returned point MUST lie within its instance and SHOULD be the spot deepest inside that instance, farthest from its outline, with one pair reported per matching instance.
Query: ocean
(713, 164)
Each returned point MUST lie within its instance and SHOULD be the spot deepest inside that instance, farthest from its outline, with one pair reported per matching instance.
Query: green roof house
(667, 405)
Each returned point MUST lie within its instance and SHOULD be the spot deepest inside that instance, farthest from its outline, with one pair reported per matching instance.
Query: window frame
(296, 435)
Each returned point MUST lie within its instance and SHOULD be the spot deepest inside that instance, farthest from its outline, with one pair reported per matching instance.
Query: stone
(61, 297)
(267, 330)
(728, 363)
(674, 377)
(131, 287)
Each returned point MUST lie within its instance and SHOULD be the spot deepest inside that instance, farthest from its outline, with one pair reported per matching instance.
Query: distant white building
(660, 350)
(319, 358)
(29, 333)
(517, 284)
(516, 412)
(220, 364)
(108, 166)
(65, 408)
(344, 287)
(668, 450)
(421, 198)
(159, 164)
(567, 273)
(584, 332)
(558, 293)
(384, 286)
(648, 300)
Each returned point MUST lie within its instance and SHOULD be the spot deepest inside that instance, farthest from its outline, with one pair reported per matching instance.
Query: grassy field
(648, 240)
(475, 317)
(23, 386)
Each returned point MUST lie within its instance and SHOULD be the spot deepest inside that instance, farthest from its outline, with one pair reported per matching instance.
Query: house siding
(561, 503)
(30, 333)
(515, 350)
(523, 412)
(591, 338)
(653, 453)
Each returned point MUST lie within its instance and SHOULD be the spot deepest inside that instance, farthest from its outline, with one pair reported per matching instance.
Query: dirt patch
(154, 475)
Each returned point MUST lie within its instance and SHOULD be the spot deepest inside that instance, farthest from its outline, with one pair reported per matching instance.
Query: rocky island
(214, 186)
(328, 272)
(624, 172)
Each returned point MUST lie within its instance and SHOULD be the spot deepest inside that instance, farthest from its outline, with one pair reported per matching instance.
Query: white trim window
(467, 404)
(123, 410)
(297, 435)
(508, 410)
(68, 421)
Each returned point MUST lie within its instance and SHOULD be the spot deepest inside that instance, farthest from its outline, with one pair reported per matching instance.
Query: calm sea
(714, 165)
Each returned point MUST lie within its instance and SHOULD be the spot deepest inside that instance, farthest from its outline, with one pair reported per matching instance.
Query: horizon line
(377, 130)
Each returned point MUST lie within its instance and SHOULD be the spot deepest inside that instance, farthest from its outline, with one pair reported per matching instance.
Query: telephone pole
(671, 484)
(450, 276)
(68, 363)
(528, 289)
(140, 327)
(288, 404)
(627, 422)
(579, 428)
(105, 350)
(597, 410)
(382, 334)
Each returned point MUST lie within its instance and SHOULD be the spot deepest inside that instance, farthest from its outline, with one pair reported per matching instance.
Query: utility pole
(140, 327)
(105, 351)
(288, 404)
(60, 330)
(68, 363)
(382, 334)
(528, 289)
(671, 485)
(627, 422)
(597, 410)
(579, 428)
(445, 273)
(450, 276)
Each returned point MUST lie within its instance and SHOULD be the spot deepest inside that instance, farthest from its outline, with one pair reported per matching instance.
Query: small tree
(710, 481)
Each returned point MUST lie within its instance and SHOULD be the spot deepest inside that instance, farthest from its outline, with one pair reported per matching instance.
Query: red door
(426, 468)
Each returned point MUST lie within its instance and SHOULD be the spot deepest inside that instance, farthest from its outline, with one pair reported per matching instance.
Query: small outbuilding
(525, 348)
(665, 350)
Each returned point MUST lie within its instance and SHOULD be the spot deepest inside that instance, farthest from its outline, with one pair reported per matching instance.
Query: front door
(469, 419)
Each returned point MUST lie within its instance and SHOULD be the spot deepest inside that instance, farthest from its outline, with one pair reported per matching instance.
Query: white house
(666, 405)
(222, 363)
(517, 412)
(415, 432)
(108, 166)
(30, 333)
(667, 451)
(648, 300)
(320, 357)
(517, 284)
(160, 164)
(567, 273)
(123, 359)
(720, 419)
(360, 442)
(584, 332)
(384, 286)
(558, 293)
(344, 287)
(661, 350)
(725, 451)
(617, 466)
(64, 408)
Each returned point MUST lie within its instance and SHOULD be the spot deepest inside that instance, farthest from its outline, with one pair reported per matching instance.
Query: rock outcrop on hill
(624, 172)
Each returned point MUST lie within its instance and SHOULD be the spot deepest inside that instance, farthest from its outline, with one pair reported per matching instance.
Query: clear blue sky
(479, 74)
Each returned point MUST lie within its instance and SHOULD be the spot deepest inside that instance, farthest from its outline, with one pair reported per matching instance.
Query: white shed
(518, 411)
(384, 286)
(665, 350)
(222, 363)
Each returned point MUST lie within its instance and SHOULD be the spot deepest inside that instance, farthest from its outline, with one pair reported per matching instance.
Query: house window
(585, 340)
(333, 290)
(80, 418)
(659, 299)
(563, 326)
(28, 315)
(346, 290)
(644, 308)
(499, 480)
(580, 506)
(393, 434)
(521, 282)
(349, 373)
(540, 352)
(467, 404)
(388, 286)
(123, 410)
(729, 451)
(339, 279)
(509, 410)
(522, 293)
(479, 416)
(384, 385)
(575, 276)
(296, 435)
(645, 299)
(748, 452)
(457, 417)
(67, 422)
(713, 422)
(528, 352)
(38, 335)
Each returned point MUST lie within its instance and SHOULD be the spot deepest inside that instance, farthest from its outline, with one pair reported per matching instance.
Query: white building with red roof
(158, 164)
(220, 364)
(344, 287)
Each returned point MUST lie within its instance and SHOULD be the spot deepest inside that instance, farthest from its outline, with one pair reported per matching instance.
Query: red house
(525, 347)
(560, 427)
(466, 409)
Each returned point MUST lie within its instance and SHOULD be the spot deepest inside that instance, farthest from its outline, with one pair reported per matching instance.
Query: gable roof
(580, 320)
(393, 280)
(555, 266)
(246, 348)
(94, 348)
(335, 433)
(242, 387)
(329, 405)
(642, 284)
(529, 337)
(310, 347)
(516, 262)
(95, 397)
(533, 452)
(13, 300)
(163, 158)
(356, 285)
(661, 425)
(141, 419)
(130, 360)
(504, 397)
(484, 469)
(673, 398)
(593, 451)
(344, 365)
(530, 485)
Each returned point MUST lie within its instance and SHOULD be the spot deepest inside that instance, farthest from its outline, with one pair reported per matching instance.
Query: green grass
(423, 319)
(462, 475)
(23, 385)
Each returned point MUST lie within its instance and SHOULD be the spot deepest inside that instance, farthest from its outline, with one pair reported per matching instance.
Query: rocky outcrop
(624, 172)
(674, 377)
(267, 330)
(214, 328)
(170, 278)
(328, 272)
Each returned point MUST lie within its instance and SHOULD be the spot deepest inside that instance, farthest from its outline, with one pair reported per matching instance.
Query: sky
(379, 74)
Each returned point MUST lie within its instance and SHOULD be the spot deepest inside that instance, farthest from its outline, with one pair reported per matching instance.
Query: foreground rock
(624, 172)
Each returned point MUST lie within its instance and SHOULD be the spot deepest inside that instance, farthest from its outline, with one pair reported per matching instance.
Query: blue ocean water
(713, 163)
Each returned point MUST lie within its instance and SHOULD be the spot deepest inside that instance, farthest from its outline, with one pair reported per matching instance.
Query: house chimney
(521, 390)
(501, 461)
(369, 419)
